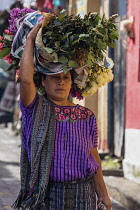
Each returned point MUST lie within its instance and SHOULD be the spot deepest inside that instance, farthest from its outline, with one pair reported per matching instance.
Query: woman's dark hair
(73, 75)
(38, 79)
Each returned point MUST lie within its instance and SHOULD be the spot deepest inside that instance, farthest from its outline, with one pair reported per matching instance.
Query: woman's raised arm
(27, 86)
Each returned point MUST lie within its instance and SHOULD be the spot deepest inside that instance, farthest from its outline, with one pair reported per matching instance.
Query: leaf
(90, 63)
(62, 50)
(65, 45)
(48, 33)
(72, 63)
(113, 36)
(57, 43)
(54, 54)
(65, 69)
(61, 16)
(105, 37)
(111, 44)
(83, 35)
(62, 59)
(57, 23)
(4, 52)
(71, 38)
(48, 49)
(8, 37)
(67, 34)
(101, 45)
(44, 39)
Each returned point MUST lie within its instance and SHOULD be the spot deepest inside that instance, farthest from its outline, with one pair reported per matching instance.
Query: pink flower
(7, 32)
(8, 59)
(66, 110)
(83, 116)
(73, 117)
(76, 92)
(1, 46)
(77, 112)
(82, 108)
(15, 13)
(26, 10)
(62, 117)
(57, 109)
(89, 112)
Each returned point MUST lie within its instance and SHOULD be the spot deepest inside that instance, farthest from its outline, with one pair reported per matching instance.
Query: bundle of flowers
(75, 43)
(8, 37)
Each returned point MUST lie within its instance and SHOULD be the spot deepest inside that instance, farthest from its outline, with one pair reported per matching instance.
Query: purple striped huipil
(76, 135)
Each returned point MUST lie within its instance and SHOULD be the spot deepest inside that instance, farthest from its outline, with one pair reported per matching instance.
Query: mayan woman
(60, 164)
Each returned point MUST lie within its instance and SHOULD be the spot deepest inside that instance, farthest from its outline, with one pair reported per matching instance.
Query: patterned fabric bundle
(35, 174)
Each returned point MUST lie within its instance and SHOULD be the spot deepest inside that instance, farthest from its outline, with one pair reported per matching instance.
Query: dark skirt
(72, 195)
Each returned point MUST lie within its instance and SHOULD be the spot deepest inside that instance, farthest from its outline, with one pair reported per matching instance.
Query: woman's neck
(62, 102)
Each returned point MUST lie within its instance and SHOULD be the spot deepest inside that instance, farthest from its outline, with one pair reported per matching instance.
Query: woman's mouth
(60, 90)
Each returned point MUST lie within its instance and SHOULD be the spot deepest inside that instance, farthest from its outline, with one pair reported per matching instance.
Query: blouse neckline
(77, 105)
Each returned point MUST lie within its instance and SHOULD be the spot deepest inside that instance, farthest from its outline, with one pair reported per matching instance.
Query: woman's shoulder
(86, 110)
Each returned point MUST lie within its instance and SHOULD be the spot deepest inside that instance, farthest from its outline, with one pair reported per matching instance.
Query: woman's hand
(34, 31)
(104, 203)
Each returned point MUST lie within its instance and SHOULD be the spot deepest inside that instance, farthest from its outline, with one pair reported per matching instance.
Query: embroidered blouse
(76, 135)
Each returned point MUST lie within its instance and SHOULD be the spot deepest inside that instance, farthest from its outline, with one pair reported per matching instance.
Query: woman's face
(57, 86)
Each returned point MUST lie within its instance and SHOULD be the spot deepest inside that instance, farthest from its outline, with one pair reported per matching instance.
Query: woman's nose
(61, 81)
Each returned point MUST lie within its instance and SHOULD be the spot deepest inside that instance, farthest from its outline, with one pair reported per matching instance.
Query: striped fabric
(76, 134)
(73, 195)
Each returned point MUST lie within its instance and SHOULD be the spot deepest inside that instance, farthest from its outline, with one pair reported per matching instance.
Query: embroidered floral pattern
(72, 113)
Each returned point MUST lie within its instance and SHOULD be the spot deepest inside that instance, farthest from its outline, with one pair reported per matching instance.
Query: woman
(60, 164)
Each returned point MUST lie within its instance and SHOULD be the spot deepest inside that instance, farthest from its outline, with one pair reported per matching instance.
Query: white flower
(101, 80)
(110, 76)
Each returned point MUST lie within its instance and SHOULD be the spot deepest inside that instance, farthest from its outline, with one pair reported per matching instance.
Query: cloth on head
(42, 62)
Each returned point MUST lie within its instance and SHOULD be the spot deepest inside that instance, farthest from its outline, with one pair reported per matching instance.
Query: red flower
(7, 32)
(8, 59)
(1, 46)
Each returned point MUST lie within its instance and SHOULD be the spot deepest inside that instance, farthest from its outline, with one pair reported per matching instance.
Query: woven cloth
(72, 195)
(35, 174)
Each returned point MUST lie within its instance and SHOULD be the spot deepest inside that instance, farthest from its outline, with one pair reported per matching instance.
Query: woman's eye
(55, 77)
(66, 77)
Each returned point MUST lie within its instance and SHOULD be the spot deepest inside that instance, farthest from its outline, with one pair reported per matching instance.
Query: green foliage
(4, 52)
(110, 163)
(66, 35)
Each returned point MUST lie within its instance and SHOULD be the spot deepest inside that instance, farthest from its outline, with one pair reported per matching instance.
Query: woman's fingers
(32, 34)
(101, 206)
